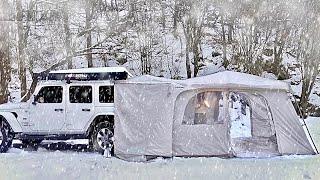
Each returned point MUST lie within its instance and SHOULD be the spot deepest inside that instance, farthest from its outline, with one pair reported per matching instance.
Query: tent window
(204, 108)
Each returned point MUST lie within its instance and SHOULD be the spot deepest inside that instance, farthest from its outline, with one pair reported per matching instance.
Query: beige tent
(162, 117)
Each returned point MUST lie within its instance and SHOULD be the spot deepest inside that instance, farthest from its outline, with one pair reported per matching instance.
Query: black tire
(31, 142)
(99, 145)
(6, 136)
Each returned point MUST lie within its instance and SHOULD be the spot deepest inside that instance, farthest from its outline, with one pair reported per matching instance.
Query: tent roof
(225, 79)
(148, 78)
(229, 79)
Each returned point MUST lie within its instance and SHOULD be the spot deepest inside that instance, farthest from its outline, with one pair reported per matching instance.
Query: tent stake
(304, 123)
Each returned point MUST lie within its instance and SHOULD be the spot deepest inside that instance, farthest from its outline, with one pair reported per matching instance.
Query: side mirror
(35, 100)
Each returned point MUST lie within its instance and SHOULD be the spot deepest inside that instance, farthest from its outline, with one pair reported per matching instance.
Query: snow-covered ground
(71, 164)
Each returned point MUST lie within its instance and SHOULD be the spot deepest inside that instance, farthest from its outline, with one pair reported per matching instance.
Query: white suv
(67, 104)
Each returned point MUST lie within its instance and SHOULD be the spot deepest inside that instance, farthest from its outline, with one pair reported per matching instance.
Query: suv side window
(80, 94)
(50, 94)
(106, 94)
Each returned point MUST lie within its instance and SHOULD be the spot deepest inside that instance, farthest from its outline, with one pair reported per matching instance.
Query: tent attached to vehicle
(224, 114)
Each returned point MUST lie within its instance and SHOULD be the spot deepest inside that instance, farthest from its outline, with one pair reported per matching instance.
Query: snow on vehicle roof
(92, 70)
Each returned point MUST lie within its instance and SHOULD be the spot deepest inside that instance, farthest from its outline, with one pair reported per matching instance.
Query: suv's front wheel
(6, 136)
(102, 137)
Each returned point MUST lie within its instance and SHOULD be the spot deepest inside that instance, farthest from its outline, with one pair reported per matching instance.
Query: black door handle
(58, 110)
(87, 110)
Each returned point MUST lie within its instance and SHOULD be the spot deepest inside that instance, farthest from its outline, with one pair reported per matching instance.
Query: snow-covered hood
(13, 106)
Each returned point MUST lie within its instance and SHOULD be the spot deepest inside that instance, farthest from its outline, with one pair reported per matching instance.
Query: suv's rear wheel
(102, 137)
(6, 136)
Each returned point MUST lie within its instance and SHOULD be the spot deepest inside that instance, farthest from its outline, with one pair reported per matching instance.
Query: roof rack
(86, 74)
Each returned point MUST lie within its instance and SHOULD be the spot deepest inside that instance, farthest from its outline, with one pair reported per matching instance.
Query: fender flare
(88, 125)
(12, 120)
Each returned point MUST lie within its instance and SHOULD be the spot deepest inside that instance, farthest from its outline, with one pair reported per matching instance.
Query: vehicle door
(80, 106)
(47, 112)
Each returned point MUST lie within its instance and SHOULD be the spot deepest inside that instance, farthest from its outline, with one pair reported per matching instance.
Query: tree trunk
(67, 41)
(309, 77)
(21, 50)
(188, 59)
(186, 31)
(196, 57)
(230, 33)
(133, 11)
(88, 28)
(224, 44)
(5, 69)
(176, 15)
(163, 16)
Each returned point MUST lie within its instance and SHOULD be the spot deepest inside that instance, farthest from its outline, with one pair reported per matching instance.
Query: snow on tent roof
(231, 79)
(225, 79)
(148, 78)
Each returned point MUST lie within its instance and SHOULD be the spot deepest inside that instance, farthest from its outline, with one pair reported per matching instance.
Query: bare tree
(21, 49)
(176, 14)
(68, 37)
(89, 14)
(5, 68)
(308, 53)
(193, 22)
(224, 41)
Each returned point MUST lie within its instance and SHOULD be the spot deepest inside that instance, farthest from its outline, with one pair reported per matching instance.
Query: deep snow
(70, 164)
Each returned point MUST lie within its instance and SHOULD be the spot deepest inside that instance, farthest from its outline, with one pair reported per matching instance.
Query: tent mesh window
(204, 108)
(252, 129)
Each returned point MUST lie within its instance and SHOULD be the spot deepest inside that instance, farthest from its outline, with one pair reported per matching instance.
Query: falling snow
(175, 39)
